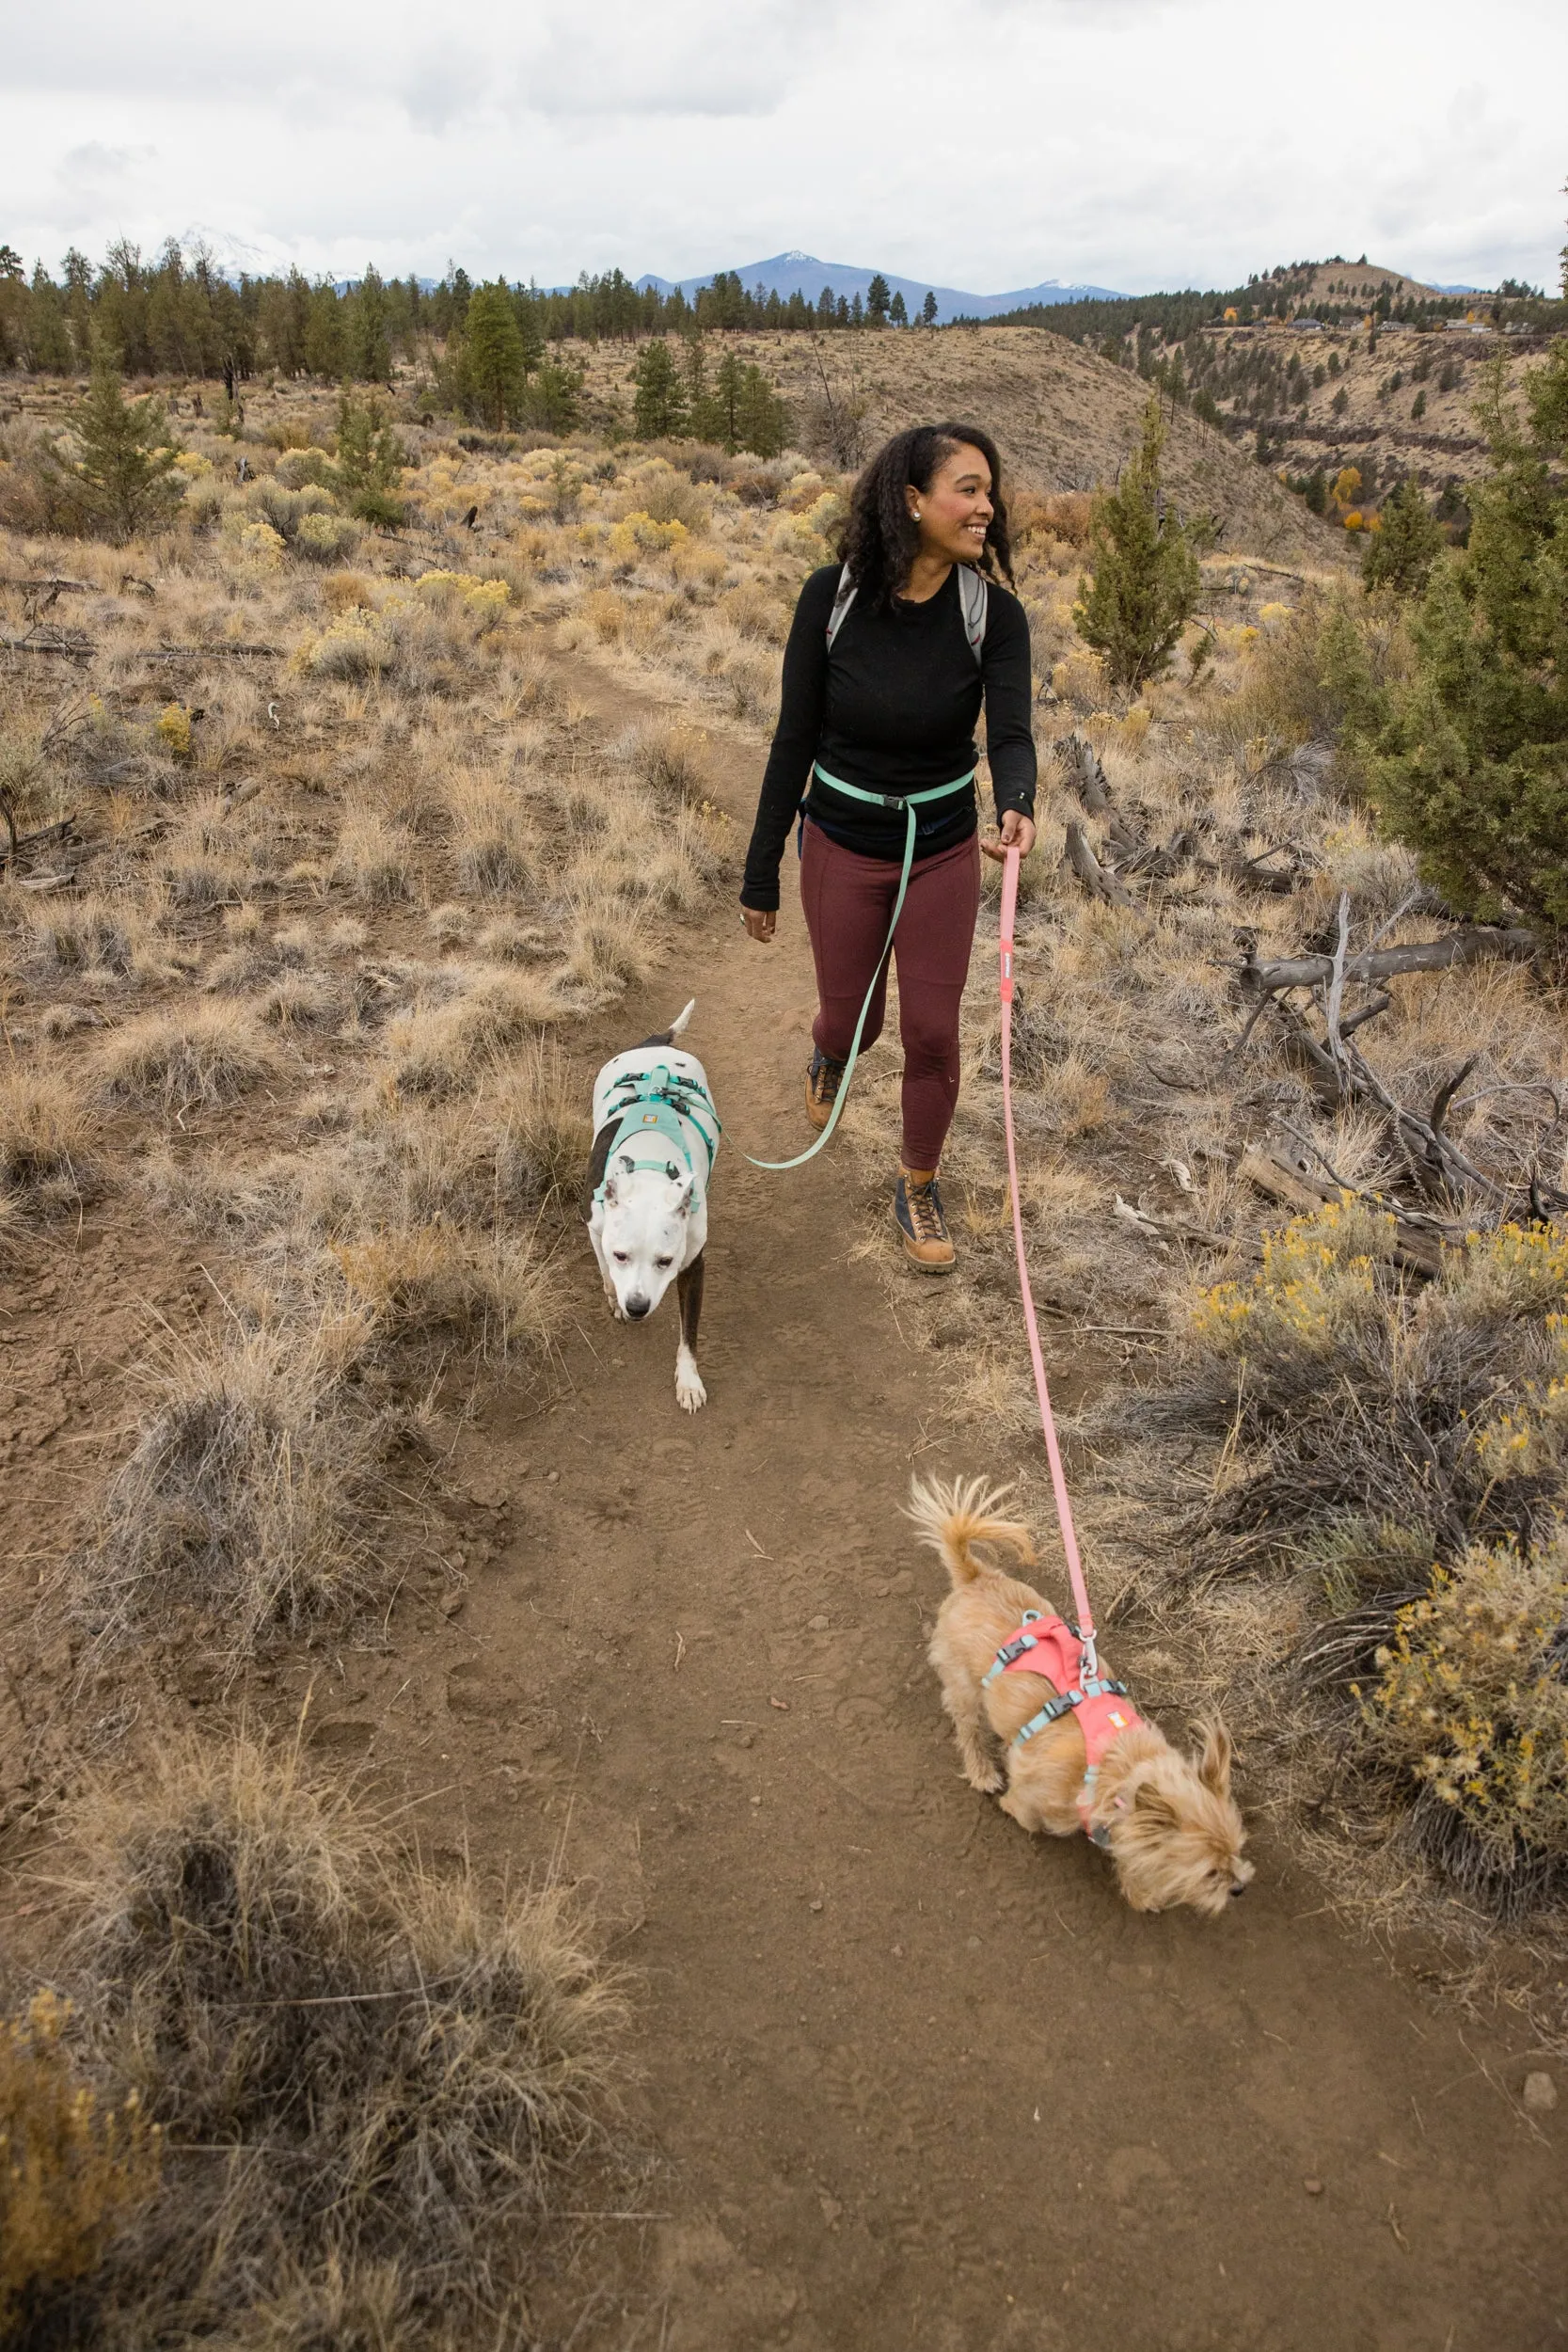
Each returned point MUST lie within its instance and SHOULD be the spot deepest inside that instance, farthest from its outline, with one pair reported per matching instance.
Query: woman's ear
(911, 500)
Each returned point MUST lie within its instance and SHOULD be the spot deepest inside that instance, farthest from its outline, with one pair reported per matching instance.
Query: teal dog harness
(648, 1131)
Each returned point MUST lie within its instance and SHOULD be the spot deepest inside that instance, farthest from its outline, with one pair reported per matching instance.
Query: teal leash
(909, 802)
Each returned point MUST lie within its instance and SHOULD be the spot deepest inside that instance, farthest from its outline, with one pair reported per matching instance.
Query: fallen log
(200, 653)
(1382, 963)
(1287, 1182)
(64, 646)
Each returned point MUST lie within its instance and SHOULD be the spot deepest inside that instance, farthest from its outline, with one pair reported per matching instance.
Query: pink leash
(1058, 1479)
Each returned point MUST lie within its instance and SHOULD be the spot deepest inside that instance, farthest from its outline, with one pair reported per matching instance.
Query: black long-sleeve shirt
(892, 707)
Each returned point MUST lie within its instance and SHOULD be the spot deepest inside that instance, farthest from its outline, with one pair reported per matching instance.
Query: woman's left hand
(1018, 832)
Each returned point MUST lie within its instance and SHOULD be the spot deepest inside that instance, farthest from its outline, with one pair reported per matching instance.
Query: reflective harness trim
(1045, 1644)
(652, 1111)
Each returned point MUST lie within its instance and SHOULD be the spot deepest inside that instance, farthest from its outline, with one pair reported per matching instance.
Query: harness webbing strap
(909, 802)
(655, 1104)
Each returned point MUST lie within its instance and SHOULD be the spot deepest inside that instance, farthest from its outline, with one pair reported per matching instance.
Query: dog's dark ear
(1152, 1806)
(683, 1206)
(611, 1196)
(1213, 1767)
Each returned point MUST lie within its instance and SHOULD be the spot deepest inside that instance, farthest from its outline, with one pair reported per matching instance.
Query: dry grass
(203, 1056)
(400, 2065)
(251, 1496)
(46, 1134)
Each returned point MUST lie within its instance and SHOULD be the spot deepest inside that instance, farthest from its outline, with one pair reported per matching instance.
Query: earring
(917, 514)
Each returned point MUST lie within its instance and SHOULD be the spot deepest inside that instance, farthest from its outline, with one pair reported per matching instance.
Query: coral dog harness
(1049, 1647)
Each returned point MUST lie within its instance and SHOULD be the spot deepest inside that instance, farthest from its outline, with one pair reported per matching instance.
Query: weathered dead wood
(45, 837)
(1096, 877)
(1178, 1229)
(200, 653)
(59, 587)
(1283, 1181)
(1432, 955)
(1085, 772)
(68, 649)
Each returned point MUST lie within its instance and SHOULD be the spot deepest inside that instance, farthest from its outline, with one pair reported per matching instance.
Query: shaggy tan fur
(1175, 1833)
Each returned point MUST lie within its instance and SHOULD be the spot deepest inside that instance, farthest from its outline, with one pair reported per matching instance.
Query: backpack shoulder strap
(974, 598)
(842, 602)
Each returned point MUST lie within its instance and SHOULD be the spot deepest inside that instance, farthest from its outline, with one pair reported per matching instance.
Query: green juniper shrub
(124, 476)
(1466, 759)
(1146, 579)
(1401, 555)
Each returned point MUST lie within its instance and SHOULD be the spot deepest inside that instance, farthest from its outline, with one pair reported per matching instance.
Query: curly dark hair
(882, 537)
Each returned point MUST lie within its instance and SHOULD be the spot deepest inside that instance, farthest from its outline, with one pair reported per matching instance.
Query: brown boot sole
(924, 1265)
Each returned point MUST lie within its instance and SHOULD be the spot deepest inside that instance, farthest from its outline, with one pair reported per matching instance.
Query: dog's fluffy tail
(953, 1517)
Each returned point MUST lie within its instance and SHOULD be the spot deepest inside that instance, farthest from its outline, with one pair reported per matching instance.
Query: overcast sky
(983, 144)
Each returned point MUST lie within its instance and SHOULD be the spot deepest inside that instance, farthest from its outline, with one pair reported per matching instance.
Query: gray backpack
(973, 596)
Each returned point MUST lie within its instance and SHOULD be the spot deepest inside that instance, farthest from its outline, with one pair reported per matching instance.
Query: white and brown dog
(655, 1135)
(1085, 1760)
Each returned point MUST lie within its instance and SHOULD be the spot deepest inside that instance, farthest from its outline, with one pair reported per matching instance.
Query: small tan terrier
(1170, 1825)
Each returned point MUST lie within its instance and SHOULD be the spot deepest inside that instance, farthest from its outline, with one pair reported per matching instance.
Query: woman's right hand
(761, 923)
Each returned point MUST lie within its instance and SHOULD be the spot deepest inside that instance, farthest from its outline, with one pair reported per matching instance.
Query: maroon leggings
(847, 900)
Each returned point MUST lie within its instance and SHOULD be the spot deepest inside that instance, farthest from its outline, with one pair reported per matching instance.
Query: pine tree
(372, 351)
(929, 311)
(1401, 554)
(762, 416)
(878, 300)
(323, 334)
(496, 375)
(125, 472)
(659, 412)
(531, 332)
(1146, 575)
(898, 314)
(555, 397)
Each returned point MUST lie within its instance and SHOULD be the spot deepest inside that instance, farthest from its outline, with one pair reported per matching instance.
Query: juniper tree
(1401, 553)
(878, 300)
(124, 472)
(898, 311)
(370, 460)
(555, 398)
(1146, 574)
(929, 310)
(1466, 758)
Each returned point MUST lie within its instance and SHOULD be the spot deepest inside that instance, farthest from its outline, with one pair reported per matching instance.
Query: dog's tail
(952, 1518)
(676, 1028)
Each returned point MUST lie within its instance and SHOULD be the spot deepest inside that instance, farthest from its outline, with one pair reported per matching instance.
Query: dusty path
(918, 2086)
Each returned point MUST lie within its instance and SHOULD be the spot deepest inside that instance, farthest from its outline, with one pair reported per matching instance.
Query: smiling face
(955, 510)
(646, 1226)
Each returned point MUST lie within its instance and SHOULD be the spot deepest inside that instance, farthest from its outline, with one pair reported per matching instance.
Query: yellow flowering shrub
(70, 2171)
(486, 599)
(638, 535)
(173, 730)
(193, 465)
(1317, 1274)
(262, 547)
(356, 646)
(1472, 1697)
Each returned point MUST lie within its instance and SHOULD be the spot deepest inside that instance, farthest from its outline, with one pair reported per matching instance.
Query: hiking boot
(917, 1207)
(822, 1084)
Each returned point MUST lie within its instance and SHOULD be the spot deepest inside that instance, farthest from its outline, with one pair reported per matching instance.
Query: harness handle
(1085, 1628)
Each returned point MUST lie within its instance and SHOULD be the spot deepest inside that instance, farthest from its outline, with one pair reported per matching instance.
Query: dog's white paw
(691, 1396)
(613, 1302)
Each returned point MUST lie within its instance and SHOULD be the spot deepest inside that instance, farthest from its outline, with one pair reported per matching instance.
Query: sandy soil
(908, 2081)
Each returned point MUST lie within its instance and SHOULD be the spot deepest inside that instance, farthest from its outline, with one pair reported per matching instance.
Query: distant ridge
(803, 273)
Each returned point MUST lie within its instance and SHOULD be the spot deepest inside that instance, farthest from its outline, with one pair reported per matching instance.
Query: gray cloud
(981, 143)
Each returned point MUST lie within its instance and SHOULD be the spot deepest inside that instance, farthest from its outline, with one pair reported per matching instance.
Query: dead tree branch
(1432, 955)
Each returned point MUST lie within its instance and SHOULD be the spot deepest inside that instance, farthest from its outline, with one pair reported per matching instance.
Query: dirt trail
(915, 2082)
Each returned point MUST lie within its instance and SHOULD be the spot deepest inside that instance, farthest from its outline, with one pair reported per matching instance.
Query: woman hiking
(876, 722)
